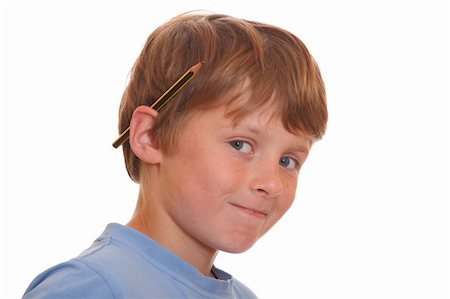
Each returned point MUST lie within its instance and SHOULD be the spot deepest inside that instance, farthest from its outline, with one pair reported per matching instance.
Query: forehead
(242, 105)
(262, 122)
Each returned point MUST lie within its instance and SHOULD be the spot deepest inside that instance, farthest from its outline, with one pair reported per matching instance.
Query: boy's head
(238, 56)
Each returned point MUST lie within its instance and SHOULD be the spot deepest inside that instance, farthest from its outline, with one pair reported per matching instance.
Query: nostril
(262, 191)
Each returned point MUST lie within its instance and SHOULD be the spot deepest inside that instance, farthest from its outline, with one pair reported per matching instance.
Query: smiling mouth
(250, 211)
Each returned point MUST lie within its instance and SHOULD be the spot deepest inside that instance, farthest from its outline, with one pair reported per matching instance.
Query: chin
(237, 245)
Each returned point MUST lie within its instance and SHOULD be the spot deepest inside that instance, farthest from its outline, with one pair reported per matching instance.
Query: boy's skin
(224, 186)
(217, 167)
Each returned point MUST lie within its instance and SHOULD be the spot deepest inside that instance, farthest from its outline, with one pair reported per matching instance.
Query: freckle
(239, 171)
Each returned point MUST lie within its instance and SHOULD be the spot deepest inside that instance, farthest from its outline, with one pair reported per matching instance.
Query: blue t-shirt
(124, 263)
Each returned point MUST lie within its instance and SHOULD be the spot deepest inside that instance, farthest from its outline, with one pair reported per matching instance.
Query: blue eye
(241, 146)
(288, 162)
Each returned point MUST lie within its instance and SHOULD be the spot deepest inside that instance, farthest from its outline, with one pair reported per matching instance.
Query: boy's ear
(141, 137)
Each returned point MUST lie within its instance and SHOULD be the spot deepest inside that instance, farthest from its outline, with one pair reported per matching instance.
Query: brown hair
(272, 60)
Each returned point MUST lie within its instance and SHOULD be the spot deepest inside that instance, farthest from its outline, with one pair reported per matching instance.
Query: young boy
(217, 165)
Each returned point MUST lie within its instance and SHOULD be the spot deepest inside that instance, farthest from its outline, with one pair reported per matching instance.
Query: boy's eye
(288, 162)
(241, 146)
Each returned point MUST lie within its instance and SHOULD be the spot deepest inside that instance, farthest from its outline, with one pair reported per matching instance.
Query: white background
(371, 217)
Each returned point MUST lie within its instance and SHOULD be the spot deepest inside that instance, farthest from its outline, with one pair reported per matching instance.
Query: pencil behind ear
(141, 137)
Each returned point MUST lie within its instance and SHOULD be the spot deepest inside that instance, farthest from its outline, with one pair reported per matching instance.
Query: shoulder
(72, 279)
(242, 291)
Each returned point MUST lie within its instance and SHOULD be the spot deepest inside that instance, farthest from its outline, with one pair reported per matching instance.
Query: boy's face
(226, 185)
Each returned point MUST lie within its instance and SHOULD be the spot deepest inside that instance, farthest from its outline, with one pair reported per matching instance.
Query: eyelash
(296, 163)
(239, 144)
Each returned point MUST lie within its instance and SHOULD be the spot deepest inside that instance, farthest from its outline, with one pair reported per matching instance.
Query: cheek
(197, 183)
(290, 196)
(210, 170)
(284, 202)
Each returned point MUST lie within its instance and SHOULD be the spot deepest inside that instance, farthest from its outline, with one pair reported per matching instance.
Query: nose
(266, 179)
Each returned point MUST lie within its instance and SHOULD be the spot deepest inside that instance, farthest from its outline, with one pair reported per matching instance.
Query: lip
(250, 211)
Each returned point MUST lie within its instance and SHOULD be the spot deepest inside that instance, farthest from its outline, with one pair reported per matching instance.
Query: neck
(151, 219)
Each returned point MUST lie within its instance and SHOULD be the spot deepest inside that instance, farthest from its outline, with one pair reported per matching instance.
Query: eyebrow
(304, 149)
(250, 129)
(298, 147)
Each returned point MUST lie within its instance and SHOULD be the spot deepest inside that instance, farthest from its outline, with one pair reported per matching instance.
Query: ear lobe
(141, 137)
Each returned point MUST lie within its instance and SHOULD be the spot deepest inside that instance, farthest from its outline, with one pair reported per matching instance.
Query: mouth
(250, 211)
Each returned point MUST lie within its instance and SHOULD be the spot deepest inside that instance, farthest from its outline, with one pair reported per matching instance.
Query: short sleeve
(72, 279)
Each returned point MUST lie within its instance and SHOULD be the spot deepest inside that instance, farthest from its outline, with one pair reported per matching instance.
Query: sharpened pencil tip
(196, 67)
